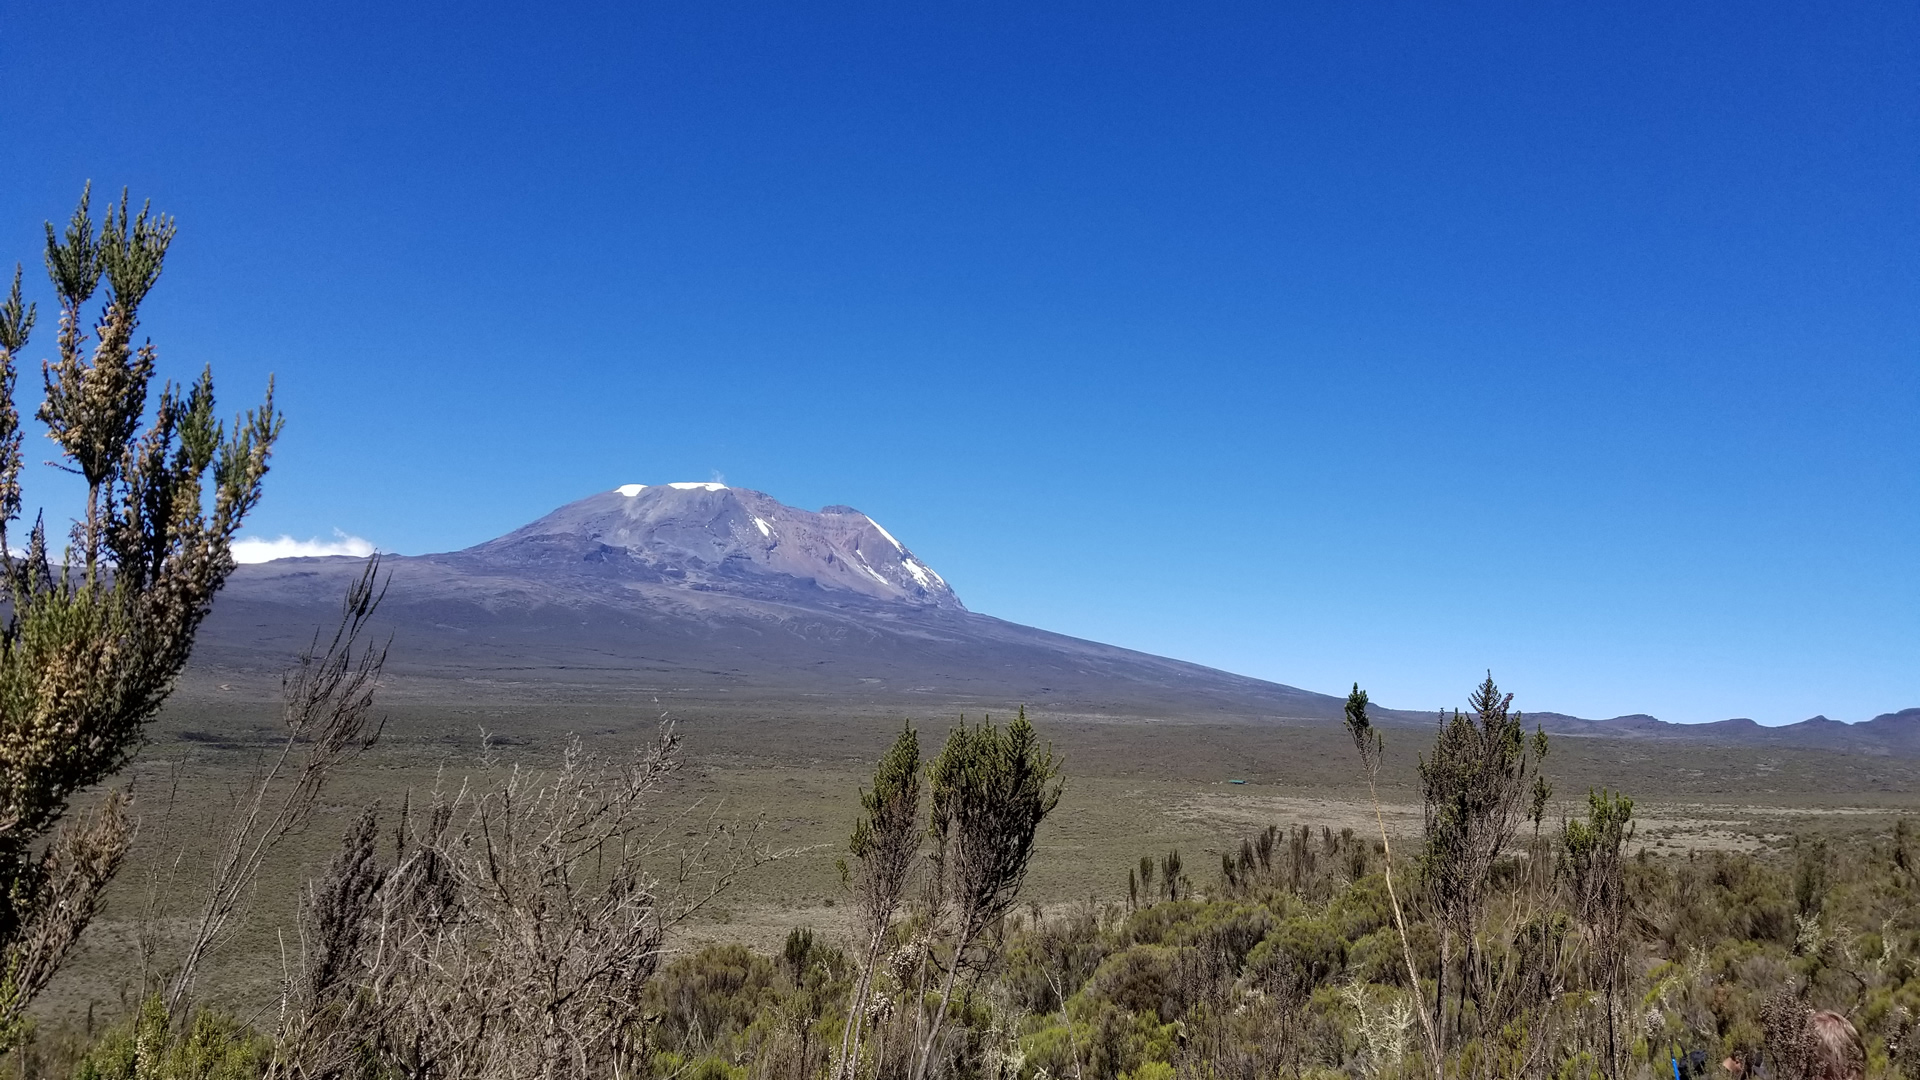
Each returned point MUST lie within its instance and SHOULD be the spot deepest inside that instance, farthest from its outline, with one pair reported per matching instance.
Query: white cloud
(254, 549)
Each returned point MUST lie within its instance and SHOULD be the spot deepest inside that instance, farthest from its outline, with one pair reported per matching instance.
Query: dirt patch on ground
(1251, 810)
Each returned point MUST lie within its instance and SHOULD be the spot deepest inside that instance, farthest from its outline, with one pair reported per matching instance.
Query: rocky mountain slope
(712, 537)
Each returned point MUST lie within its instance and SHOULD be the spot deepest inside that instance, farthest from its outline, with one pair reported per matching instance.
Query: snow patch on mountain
(883, 532)
(871, 572)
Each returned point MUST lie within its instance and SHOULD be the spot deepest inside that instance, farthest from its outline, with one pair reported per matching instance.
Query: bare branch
(329, 717)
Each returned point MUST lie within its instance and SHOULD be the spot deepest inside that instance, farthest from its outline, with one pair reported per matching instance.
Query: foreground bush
(1270, 975)
(94, 632)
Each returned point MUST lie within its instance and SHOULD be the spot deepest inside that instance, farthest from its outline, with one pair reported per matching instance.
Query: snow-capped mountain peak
(710, 536)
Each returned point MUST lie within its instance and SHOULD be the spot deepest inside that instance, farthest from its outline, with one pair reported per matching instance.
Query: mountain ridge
(1896, 732)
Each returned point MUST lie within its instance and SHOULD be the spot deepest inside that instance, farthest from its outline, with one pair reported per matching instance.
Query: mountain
(701, 591)
(696, 590)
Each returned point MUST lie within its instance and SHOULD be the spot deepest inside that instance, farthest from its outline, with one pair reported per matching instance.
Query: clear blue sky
(1320, 342)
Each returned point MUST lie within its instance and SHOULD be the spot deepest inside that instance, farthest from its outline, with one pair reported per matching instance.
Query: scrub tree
(1478, 783)
(885, 846)
(94, 636)
(1595, 851)
(991, 789)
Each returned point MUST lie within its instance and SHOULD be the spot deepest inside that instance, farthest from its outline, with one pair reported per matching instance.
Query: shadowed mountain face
(704, 592)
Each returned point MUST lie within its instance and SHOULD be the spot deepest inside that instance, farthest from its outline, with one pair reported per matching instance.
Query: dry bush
(511, 934)
(1808, 1044)
(1372, 745)
(327, 701)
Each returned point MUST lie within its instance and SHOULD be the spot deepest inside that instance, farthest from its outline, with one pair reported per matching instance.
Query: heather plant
(95, 634)
(991, 788)
(1173, 880)
(1480, 780)
(1595, 850)
(213, 1046)
(885, 845)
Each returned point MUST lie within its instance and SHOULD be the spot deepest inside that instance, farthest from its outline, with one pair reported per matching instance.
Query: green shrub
(213, 1047)
(705, 998)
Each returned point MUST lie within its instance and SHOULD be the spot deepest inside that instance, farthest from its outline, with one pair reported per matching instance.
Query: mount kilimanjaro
(699, 591)
(693, 590)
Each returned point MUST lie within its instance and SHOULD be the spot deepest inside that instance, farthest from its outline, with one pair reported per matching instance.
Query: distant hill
(701, 591)
(1895, 733)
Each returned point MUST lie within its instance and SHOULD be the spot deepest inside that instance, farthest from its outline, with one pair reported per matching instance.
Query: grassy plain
(1136, 786)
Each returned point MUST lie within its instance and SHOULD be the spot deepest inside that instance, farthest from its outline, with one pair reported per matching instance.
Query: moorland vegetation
(517, 921)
